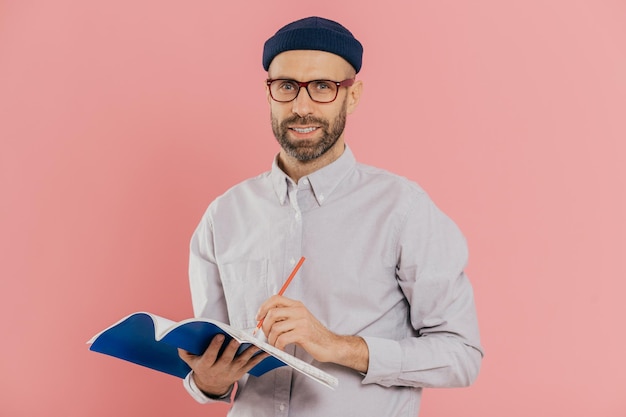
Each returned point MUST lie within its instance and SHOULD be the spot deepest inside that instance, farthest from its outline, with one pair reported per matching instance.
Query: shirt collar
(323, 181)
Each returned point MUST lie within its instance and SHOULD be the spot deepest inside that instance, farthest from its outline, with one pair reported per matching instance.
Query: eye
(286, 85)
(323, 86)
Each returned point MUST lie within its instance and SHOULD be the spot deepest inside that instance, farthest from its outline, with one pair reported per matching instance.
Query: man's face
(304, 128)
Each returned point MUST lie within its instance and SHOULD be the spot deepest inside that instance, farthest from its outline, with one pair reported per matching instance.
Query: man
(381, 302)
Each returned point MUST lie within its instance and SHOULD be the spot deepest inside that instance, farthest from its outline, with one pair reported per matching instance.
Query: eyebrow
(304, 81)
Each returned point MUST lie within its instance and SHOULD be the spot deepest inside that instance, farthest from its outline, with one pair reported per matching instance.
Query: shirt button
(281, 407)
(297, 216)
(305, 181)
(321, 197)
(292, 261)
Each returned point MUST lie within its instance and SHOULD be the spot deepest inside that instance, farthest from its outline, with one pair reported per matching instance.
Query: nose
(302, 105)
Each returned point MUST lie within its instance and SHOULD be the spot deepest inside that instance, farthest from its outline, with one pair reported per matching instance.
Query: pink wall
(121, 120)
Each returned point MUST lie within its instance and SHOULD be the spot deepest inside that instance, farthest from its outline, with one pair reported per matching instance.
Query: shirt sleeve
(445, 349)
(197, 394)
(206, 294)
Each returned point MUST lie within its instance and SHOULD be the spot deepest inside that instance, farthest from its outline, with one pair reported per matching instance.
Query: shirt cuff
(385, 361)
(197, 394)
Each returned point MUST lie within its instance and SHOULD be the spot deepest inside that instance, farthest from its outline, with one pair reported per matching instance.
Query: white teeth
(307, 130)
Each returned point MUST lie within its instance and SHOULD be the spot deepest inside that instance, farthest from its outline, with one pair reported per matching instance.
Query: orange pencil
(282, 290)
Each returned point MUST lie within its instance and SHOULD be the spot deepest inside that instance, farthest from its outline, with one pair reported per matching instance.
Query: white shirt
(382, 262)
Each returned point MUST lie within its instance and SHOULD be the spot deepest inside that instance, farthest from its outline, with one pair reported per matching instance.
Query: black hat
(314, 33)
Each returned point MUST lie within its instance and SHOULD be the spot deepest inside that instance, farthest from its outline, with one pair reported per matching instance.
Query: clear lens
(321, 91)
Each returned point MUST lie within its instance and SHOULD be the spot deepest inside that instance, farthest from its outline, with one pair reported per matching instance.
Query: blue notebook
(153, 341)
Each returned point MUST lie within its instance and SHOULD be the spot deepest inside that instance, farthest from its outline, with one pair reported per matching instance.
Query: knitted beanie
(314, 33)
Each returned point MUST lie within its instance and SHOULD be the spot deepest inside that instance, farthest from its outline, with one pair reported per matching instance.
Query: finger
(187, 357)
(275, 301)
(229, 352)
(255, 360)
(284, 339)
(247, 359)
(276, 329)
(210, 355)
(249, 352)
(280, 315)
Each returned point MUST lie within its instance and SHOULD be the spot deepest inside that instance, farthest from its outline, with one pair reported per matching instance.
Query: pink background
(121, 120)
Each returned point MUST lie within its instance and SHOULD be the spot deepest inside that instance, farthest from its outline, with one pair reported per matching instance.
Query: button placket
(293, 243)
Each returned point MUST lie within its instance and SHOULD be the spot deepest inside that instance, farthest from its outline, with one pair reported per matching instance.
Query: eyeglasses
(320, 91)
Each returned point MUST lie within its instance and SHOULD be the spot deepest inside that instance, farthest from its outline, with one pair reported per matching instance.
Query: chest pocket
(245, 288)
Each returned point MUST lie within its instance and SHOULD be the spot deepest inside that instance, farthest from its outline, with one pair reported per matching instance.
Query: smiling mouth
(303, 129)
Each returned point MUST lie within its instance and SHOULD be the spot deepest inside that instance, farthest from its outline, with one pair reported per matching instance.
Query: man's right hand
(215, 373)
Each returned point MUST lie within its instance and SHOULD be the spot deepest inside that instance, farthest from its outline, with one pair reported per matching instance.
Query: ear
(267, 92)
(354, 95)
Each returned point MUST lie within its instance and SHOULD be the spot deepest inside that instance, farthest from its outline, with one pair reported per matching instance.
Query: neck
(297, 169)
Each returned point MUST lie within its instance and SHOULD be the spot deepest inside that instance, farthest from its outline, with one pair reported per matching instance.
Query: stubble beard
(308, 150)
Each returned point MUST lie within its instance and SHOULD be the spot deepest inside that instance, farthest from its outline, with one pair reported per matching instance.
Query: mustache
(297, 120)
